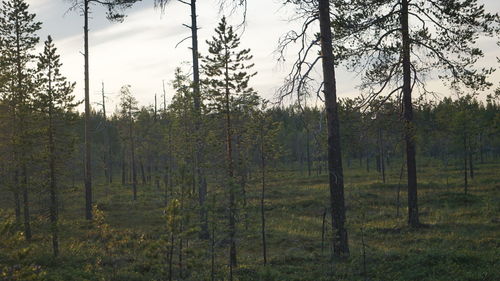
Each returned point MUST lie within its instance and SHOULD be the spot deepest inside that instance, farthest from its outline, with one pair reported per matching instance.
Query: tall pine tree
(18, 40)
(227, 71)
(53, 98)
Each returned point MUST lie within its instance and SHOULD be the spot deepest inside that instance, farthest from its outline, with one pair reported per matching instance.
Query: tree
(128, 106)
(227, 81)
(113, 7)
(265, 130)
(396, 42)
(201, 181)
(52, 98)
(18, 39)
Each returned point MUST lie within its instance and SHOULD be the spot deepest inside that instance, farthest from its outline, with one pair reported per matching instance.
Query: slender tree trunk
(124, 169)
(308, 153)
(53, 191)
(171, 257)
(465, 164)
(481, 148)
(398, 191)
(242, 178)
(411, 166)
(17, 200)
(382, 156)
(230, 174)
(108, 154)
(471, 166)
(132, 154)
(143, 172)
(26, 204)
(336, 175)
(88, 163)
(263, 196)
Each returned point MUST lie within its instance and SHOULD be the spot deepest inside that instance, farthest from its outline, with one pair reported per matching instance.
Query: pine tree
(227, 81)
(397, 42)
(18, 39)
(114, 8)
(52, 98)
(128, 106)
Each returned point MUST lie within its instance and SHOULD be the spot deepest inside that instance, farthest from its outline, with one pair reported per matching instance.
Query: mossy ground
(459, 238)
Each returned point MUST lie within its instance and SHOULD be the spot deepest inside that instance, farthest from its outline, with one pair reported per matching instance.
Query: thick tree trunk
(409, 126)
(202, 183)
(88, 163)
(336, 176)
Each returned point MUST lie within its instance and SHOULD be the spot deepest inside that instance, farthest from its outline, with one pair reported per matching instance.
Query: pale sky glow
(141, 51)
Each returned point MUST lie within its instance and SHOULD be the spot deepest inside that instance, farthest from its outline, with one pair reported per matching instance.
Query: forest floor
(459, 239)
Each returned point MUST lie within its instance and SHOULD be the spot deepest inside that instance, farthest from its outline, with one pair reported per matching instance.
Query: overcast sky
(141, 51)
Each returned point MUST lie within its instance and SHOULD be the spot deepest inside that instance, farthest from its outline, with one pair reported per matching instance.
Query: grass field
(460, 238)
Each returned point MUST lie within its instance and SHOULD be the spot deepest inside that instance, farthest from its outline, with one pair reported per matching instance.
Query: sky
(142, 51)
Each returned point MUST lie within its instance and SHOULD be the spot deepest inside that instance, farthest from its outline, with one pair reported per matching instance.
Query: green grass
(458, 241)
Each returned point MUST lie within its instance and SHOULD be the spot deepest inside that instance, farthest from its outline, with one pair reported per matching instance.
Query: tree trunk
(53, 186)
(230, 174)
(308, 153)
(465, 165)
(382, 156)
(263, 196)
(336, 176)
(143, 172)
(108, 154)
(132, 154)
(471, 167)
(202, 183)
(124, 169)
(26, 204)
(88, 163)
(17, 200)
(411, 166)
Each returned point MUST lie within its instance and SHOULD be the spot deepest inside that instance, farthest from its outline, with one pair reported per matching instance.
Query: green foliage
(15, 255)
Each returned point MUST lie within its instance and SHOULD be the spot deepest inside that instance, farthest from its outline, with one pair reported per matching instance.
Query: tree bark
(411, 166)
(263, 196)
(202, 184)
(26, 204)
(471, 166)
(52, 173)
(230, 174)
(88, 163)
(336, 176)
(132, 153)
(465, 165)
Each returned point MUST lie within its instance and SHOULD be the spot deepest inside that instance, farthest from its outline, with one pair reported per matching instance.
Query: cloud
(141, 51)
